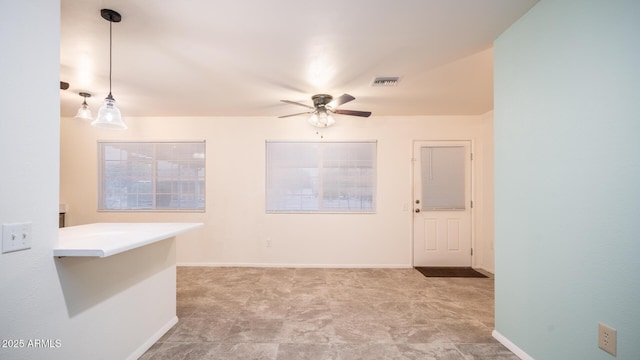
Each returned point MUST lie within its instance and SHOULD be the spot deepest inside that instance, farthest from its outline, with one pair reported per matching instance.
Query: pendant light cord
(110, 55)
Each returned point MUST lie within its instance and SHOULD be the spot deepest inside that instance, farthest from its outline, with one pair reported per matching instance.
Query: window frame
(154, 177)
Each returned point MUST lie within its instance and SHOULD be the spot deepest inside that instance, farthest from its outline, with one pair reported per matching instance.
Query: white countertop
(106, 239)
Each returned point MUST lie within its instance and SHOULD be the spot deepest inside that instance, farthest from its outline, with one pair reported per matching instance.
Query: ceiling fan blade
(64, 85)
(342, 99)
(302, 113)
(297, 103)
(353, 112)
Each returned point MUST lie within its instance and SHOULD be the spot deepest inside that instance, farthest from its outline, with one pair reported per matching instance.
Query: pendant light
(109, 115)
(84, 113)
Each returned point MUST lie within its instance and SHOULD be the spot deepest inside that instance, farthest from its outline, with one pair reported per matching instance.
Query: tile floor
(299, 314)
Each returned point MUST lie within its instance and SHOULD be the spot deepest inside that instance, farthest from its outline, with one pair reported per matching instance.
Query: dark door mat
(449, 272)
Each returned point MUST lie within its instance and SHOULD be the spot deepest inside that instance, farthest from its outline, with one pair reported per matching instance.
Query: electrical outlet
(607, 338)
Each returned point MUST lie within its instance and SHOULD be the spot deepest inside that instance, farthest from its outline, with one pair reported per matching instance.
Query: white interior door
(442, 203)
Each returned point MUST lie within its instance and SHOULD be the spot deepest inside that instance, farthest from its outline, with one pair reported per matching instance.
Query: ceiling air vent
(385, 81)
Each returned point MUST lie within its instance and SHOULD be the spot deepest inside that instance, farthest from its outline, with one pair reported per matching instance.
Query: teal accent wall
(567, 178)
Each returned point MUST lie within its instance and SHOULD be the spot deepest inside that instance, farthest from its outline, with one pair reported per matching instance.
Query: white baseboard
(324, 266)
(511, 346)
(153, 339)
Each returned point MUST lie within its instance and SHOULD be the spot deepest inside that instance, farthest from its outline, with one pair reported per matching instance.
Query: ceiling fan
(323, 106)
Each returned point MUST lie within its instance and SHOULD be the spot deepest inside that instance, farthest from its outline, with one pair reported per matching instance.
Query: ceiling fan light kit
(322, 119)
(324, 106)
(84, 113)
(109, 116)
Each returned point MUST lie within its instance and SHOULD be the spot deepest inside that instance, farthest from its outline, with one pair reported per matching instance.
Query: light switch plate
(16, 237)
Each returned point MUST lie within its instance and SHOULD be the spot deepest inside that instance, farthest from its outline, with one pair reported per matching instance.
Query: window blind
(312, 177)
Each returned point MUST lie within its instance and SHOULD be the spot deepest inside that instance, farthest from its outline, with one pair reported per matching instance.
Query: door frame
(472, 186)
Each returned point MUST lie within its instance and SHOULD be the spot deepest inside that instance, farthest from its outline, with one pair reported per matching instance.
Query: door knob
(417, 210)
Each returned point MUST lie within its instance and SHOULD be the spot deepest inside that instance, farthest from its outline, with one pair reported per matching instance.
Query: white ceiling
(239, 58)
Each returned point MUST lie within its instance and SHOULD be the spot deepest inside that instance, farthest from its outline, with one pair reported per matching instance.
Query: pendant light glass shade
(109, 115)
(84, 113)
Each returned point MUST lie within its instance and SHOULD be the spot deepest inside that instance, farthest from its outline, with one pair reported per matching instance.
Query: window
(442, 174)
(149, 176)
(314, 177)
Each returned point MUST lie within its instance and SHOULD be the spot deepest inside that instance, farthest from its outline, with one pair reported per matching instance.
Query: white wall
(236, 226)
(59, 308)
(567, 175)
(29, 65)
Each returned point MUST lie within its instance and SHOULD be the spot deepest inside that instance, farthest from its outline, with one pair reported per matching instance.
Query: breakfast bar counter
(107, 239)
(121, 278)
